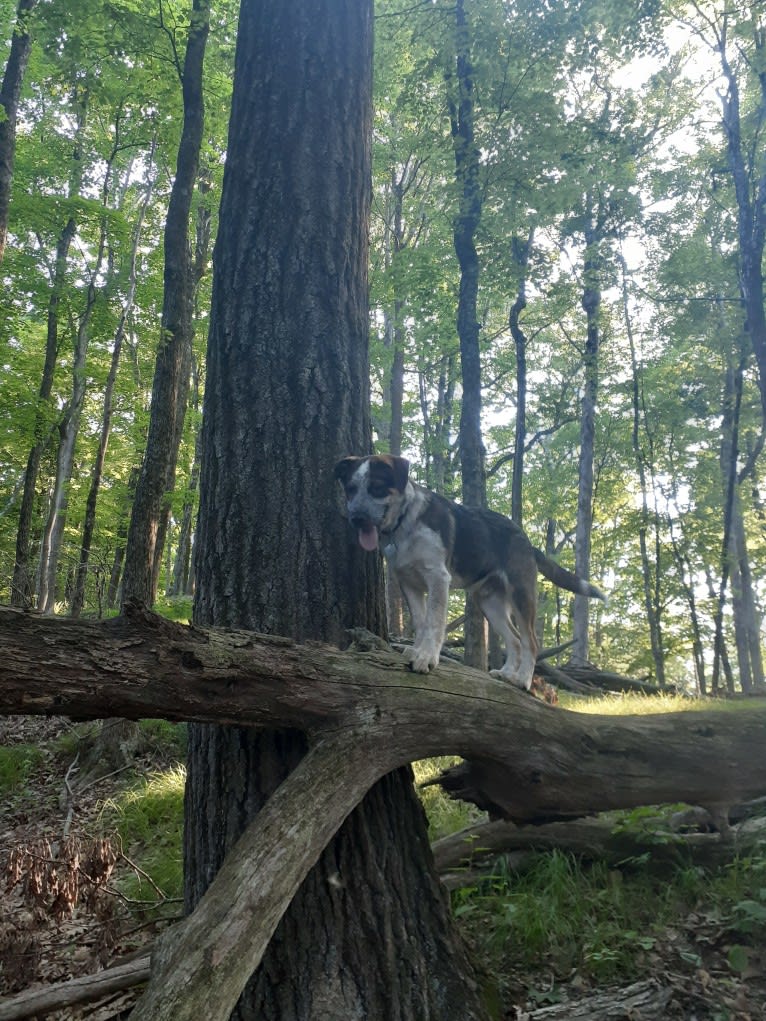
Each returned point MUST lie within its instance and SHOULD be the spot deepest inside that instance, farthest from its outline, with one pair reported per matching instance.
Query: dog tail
(566, 579)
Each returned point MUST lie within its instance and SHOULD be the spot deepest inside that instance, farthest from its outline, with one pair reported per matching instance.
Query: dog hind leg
(500, 609)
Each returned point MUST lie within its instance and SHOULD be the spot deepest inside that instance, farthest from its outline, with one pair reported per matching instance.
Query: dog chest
(417, 558)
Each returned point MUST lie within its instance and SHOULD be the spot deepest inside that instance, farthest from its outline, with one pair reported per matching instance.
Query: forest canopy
(607, 159)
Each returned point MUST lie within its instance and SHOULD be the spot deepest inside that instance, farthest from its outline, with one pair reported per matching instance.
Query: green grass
(564, 914)
(568, 916)
(16, 763)
(148, 820)
(638, 704)
(178, 608)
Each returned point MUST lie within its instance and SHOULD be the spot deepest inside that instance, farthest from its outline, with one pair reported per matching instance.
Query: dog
(432, 544)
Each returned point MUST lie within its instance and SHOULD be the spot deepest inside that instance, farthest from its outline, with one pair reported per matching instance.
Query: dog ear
(401, 467)
(346, 467)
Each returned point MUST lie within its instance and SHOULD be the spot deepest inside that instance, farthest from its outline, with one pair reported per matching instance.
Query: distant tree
(22, 583)
(467, 218)
(10, 90)
(89, 523)
(170, 387)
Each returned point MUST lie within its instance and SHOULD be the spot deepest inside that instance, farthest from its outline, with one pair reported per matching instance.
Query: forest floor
(712, 971)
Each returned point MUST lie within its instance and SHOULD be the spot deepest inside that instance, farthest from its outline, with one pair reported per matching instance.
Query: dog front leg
(430, 620)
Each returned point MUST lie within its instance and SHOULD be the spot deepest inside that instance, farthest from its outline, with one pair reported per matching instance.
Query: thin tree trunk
(521, 250)
(464, 232)
(10, 90)
(686, 578)
(746, 624)
(182, 581)
(78, 596)
(651, 573)
(69, 427)
(591, 303)
(22, 589)
(750, 190)
(171, 374)
(115, 575)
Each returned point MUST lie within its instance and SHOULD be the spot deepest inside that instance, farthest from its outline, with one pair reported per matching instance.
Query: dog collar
(390, 531)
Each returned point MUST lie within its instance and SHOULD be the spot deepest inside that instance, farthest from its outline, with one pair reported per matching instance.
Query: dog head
(374, 488)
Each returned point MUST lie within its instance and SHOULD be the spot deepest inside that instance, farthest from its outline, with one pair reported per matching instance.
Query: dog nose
(358, 521)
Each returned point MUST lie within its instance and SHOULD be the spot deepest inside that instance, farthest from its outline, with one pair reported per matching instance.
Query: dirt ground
(45, 938)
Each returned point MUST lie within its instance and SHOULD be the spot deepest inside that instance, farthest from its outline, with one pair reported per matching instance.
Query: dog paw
(517, 682)
(422, 660)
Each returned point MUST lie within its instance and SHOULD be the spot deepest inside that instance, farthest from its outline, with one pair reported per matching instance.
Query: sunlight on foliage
(148, 819)
(636, 704)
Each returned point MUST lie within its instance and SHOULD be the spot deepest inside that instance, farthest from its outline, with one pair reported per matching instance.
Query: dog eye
(351, 490)
(378, 489)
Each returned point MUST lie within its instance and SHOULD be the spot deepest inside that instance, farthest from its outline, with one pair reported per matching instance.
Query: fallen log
(647, 999)
(527, 760)
(596, 839)
(75, 991)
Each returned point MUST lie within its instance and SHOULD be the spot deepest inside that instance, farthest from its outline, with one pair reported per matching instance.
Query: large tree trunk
(10, 91)
(286, 395)
(170, 386)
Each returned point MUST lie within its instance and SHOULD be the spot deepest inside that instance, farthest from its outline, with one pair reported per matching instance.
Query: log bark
(530, 761)
(201, 965)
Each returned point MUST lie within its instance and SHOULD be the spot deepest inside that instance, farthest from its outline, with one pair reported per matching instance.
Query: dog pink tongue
(368, 538)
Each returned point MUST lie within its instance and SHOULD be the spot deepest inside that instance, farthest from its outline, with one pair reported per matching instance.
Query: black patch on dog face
(346, 467)
(389, 471)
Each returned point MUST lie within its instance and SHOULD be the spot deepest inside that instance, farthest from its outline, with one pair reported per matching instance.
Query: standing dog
(433, 544)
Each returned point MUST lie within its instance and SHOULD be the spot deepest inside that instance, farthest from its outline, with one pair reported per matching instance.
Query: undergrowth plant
(148, 820)
(566, 914)
(16, 763)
